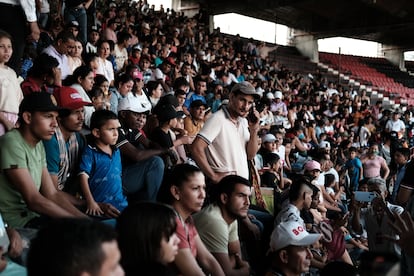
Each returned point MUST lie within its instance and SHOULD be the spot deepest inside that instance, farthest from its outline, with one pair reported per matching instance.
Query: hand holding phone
(364, 196)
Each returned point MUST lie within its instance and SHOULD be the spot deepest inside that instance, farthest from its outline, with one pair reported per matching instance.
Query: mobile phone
(207, 110)
(364, 196)
(4, 238)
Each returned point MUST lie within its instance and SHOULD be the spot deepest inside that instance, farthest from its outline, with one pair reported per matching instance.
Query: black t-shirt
(73, 3)
(162, 138)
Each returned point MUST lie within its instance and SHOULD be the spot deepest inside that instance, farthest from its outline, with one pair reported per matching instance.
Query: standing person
(100, 167)
(290, 252)
(228, 140)
(395, 124)
(186, 193)
(120, 51)
(373, 164)
(26, 189)
(217, 223)
(354, 168)
(10, 92)
(75, 10)
(401, 157)
(15, 16)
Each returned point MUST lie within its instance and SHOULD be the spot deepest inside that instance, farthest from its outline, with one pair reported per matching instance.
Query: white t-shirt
(226, 151)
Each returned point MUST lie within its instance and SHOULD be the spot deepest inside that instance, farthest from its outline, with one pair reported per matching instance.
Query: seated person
(185, 191)
(90, 248)
(148, 250)
(100, 168)
(290, 249)
(217, 223)
(142, 169)
(26, 188)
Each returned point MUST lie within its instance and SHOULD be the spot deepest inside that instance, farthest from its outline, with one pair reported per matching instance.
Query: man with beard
(27, 193)
(217, 223)
(228, 140)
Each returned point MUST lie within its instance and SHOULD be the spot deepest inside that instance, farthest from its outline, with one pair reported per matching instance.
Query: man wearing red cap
(64, 149)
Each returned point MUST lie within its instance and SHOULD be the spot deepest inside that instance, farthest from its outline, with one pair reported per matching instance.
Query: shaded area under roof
(389, 22)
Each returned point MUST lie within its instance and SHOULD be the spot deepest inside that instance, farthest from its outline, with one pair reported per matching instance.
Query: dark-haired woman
(186, 193)
(147, 239)
(123, 87)
(82, 80)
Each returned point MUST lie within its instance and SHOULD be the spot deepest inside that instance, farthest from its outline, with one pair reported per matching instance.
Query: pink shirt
(372, 167)
(186, 232)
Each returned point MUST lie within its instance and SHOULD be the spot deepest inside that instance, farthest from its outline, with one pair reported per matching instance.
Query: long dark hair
(141, 228)
(176, 177)
(80, 72)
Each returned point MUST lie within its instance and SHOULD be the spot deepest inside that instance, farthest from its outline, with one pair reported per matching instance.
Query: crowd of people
(135, 141)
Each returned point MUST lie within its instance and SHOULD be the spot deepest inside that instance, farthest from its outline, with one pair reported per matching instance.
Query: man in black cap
(26, 189)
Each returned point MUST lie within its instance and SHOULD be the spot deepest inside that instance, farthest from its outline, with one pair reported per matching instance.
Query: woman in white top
(82, 80)
(75, 56)
(155, 92)
(105, 66)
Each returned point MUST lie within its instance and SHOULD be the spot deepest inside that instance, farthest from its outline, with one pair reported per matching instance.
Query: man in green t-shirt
(26, 189)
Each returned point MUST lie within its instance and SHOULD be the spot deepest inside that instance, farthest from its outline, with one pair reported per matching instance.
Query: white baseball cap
(270, 95)
(132, 103)
(291, 233)
(268, 138)
(278, 95)
(324, 145)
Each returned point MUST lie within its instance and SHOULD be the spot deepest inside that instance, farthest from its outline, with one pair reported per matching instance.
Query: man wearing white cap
(142, 169)
(278, 107)
(289, 249)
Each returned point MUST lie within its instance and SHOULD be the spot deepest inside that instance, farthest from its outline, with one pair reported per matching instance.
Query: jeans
(79, 15)
(143, 179)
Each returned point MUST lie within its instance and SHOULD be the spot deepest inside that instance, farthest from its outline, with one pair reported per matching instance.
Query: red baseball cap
(68, 98)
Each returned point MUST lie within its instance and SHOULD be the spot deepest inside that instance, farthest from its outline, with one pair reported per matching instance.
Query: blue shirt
(105, 174)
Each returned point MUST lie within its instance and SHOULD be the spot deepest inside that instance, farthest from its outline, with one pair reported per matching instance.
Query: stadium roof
(386, 21)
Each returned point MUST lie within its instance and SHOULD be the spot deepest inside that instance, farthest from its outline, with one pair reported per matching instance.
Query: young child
(354, 167)
(334, 195)
(97, 97)
(167, 117)
(10, 92)
(100, 168)
(273, 177)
